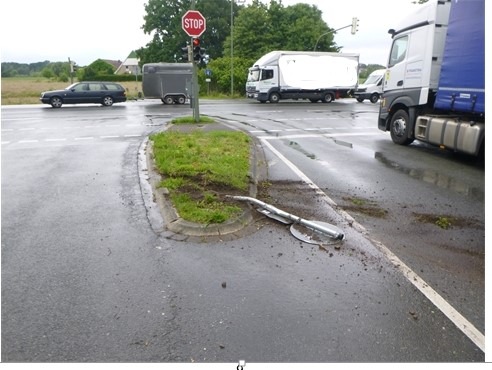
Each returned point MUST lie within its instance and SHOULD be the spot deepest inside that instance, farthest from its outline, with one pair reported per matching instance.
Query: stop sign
(193, 23)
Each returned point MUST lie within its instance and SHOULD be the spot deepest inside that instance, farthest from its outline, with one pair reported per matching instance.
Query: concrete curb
(174, 227)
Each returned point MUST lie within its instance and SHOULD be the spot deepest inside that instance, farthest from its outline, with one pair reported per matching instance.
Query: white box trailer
(317, 76)
(170, 82)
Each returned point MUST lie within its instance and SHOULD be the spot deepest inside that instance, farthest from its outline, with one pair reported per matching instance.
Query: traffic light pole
(194, 85)
(195, 90)
(354, 24)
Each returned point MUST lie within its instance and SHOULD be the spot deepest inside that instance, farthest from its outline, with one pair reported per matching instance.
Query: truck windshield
(254, 75)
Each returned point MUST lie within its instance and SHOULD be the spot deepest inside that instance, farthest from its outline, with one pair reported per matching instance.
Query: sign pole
(195, 91)
(194, 24)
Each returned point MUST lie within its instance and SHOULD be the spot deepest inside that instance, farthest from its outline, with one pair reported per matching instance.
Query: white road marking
(84, 138)
(28, 141)
(56, 139)
(300, 136)
(452, 314)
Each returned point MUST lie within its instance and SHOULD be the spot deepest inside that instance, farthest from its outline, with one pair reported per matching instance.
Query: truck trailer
(316, 76)
(434, 86)
(170, 82)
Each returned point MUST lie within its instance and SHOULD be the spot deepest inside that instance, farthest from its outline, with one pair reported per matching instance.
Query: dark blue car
(105, 93)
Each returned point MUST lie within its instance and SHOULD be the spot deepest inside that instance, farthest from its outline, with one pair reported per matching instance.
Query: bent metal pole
(309, 224)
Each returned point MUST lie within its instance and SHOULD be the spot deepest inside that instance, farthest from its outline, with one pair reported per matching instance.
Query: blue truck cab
(434, 85)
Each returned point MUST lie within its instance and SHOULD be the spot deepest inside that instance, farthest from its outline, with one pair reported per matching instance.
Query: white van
(372, 88)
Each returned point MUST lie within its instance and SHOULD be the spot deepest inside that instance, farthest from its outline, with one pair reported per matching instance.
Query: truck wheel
(328, 98)
(168, 100)
(274, 97)
(399, 127)
(360, 100)
(181, 99)
(374, 98)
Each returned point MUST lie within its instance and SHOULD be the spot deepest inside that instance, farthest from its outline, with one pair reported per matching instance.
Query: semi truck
(170, 82)
(434, 86)
(316, 76)
(371, 88)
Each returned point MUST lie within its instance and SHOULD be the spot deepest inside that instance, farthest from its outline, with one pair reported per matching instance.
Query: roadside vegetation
(200, 168)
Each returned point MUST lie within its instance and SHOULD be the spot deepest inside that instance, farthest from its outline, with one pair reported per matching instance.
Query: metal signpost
(194, 24)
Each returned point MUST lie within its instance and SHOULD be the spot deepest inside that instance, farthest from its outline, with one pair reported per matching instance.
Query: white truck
(316, 76)
(434, 87)
(170, 82)
(371, 88)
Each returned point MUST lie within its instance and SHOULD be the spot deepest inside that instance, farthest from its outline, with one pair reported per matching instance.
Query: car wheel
(328, 98)
(181, 99)
(399, 127)
(360, 100)
(107, 101)
(274, 97)
(374, 98)
(168, 100)
(56, 102)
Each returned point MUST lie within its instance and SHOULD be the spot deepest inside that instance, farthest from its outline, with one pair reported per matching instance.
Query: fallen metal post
(309, 224)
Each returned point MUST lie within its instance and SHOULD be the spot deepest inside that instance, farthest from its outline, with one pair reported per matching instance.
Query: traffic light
(186, 53)
(73, 67)
(355, 25)
(197, 52)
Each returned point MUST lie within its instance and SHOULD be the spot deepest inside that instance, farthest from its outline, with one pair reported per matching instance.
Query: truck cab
(372, 88)
(434, 85)
(252, 82)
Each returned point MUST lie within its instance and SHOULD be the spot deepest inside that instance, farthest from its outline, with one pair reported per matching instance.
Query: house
(129, 66)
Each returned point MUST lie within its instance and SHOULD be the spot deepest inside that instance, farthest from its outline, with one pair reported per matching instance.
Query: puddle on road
(429, 176)
(434, 177)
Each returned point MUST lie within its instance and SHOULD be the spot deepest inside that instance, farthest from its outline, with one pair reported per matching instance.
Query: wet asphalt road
(85, 277)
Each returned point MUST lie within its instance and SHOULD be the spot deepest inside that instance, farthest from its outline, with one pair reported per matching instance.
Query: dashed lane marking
(83, 138)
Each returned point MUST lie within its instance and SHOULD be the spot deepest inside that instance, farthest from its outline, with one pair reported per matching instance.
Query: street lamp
(232, 44)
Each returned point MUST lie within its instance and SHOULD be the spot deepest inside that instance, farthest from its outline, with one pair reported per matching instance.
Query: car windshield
(372, 79)
(71, 86)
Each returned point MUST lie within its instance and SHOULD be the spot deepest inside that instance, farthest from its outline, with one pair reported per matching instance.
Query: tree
(163, 20)
(260, 29)
(221, 78)
(56, 70)
(304, 26)
(97, 68)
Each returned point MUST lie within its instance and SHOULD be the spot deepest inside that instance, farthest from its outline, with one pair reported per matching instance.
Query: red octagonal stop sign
(193, 23)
